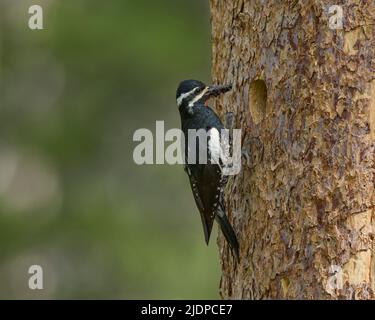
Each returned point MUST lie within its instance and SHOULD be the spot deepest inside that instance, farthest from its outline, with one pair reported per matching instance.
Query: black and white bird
(207, 180)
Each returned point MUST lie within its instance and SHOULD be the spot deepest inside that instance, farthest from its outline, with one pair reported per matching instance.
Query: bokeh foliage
(71, 197)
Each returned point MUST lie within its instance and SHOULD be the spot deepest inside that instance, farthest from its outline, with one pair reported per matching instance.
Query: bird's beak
(216, 90)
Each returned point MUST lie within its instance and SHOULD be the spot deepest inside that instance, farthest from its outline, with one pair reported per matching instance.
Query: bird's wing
(207, 219)
(206, 180)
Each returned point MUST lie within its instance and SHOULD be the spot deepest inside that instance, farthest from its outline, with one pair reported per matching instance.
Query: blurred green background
(71, 198)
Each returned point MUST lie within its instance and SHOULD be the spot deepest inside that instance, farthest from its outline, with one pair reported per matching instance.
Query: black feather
(228, 232)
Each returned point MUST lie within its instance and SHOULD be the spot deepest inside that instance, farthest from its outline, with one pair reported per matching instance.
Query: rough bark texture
(303, 204)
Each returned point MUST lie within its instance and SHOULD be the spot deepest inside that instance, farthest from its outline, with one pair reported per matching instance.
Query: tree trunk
(304, 96)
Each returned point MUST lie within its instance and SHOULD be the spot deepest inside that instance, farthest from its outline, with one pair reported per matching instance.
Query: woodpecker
(207, 180)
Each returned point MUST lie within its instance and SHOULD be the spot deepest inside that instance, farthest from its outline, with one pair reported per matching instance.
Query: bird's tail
(228, 232)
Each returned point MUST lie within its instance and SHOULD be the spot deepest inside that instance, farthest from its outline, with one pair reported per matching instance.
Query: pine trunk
(304, 97)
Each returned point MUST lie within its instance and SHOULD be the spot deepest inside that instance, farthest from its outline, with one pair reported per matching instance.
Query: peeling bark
(303, 204)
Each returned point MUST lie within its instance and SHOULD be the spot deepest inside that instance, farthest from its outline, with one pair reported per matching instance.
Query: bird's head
(193, 92)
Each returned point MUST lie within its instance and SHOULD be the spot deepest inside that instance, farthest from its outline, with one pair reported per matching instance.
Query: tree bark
(304, 96)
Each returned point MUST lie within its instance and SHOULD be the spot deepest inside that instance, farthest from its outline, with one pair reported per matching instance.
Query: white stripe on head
(198, 97)
(182, 96)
